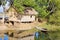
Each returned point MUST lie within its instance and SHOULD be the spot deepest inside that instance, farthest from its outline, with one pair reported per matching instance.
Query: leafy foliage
(39, 5)
(45, 8)
(55, 18)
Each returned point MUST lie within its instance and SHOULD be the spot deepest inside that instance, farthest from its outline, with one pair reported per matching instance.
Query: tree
(18, 5)
(45, 8)
(54, 18)
(39, 5)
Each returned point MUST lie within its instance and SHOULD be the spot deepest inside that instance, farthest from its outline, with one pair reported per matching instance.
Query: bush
(55, 18)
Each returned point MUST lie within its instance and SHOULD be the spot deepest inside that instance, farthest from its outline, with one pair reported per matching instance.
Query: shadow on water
(50, 35)
(54, 35)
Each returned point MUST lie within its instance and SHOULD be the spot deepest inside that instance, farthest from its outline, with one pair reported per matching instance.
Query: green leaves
(55, 18)
(45, 8)
(18, 5)
(29, 2)
(41, 8)
(39, 5)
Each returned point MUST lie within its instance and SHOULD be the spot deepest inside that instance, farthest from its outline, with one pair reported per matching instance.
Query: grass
(49, 27)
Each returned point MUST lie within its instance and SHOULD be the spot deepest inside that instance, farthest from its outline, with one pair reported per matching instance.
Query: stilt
(3, 18)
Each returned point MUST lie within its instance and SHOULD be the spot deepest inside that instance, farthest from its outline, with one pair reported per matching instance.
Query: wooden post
(3, 17)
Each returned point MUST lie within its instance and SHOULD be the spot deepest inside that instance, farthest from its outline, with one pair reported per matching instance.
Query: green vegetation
(51, 35)
(48, 9)
(54, 35)
(53, 32)
(38, 5)
(54, 18)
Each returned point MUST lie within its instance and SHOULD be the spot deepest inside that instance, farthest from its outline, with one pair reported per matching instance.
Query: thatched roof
(30, 11)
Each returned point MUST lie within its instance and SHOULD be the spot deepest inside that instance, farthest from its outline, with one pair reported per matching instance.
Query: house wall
(27, 18)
